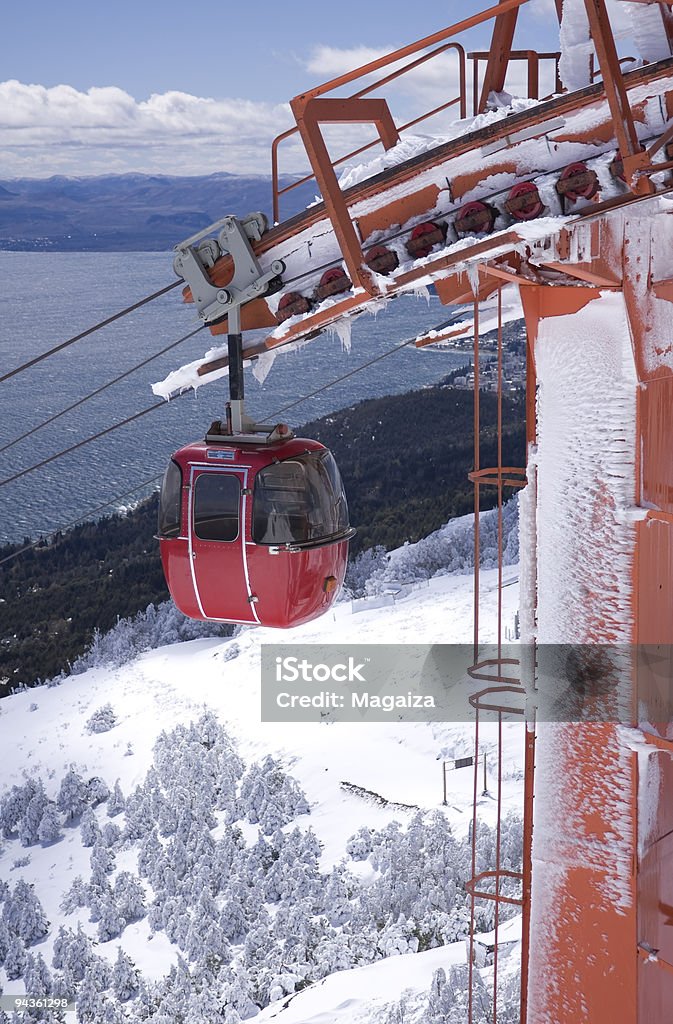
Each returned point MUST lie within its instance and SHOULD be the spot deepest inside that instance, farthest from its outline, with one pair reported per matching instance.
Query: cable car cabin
(254, 533)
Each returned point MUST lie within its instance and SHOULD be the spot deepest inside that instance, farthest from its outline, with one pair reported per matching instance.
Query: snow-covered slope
(354, 776)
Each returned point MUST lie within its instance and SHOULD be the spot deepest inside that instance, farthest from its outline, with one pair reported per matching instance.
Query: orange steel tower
(569, 199)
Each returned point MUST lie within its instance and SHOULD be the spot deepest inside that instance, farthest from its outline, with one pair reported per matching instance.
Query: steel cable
(158, 405)
(90, 330)
(102, 388)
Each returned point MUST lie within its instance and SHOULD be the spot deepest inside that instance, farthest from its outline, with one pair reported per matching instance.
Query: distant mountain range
(128, 211)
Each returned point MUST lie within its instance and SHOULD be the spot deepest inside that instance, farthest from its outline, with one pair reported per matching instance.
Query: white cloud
(61, 130)
(330, 61)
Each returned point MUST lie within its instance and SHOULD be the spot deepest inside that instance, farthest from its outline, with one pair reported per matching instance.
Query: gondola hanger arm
(198, 254)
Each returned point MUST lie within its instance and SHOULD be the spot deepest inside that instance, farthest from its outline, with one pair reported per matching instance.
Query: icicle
(422, 292)
(261, 366)
(343, 329)
(472, 271)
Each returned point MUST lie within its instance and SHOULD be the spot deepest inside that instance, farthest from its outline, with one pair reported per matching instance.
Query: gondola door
(217, 547)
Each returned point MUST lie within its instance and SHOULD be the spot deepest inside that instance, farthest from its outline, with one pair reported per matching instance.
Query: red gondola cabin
(254, 533)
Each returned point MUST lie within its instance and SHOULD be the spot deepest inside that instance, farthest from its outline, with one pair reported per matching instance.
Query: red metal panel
(218, 567)
(290, 586)
(656, 410)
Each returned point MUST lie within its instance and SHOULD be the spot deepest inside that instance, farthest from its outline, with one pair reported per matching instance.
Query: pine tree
(102, 720)
(129, 896)
(76, 954)
(125, 977)
(13, 805)
(36, 975)
(97, 791)
(15, 959)
(90, 1004)
(49, 829)
(4, 941)
(89, 829)
(111, 923)
(116, 803)
(102, 863)
(111, 835)
(23, 914)
(72, 796)
(77, 896)
(30, 822)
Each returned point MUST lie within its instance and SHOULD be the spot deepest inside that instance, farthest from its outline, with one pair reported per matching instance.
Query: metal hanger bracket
(197, 254)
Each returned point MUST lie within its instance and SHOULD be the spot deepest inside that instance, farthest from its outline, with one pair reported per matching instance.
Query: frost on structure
(648, 252)
(586, 474)
(563, 848)
(638, 23)
(586, 465)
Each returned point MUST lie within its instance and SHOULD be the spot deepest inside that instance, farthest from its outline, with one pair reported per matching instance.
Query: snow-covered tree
(125, 977)
(72, 796)
(102, 862)
(49, 829)
(23, 914)
(157, 626)
(89, 828)
(90, 1001)
(102, 720)
(73, 952)
(15, 959)
(76, 896)
(13, 805)
(270, 797)
(97, 791)
(29, 826)
(36, 975)
(129, 896)
(4, 941)
(116, 803)
(110, 835)
(110, 923)
(360, 845)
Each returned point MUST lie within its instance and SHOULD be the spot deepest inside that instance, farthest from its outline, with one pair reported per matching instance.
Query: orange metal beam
(499, 53)
(310, 116)
(615, 90)
(589, 272)
(407, 51)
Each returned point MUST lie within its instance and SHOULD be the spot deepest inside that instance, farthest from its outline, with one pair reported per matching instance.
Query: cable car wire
(86, 440)
(179, 394)
(102, 388)
(90, 330)
(154, 479)
(351, 373)
(86, 515)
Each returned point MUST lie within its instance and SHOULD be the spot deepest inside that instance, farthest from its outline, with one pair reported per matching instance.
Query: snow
(168, 686)
(581, 506)
(352, 997)
(637, 23)
(586, 472)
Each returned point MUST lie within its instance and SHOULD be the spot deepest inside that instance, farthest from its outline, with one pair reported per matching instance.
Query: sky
(179, 88)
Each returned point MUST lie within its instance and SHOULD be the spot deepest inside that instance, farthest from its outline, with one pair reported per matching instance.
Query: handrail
(411, 48)
(503, 7)
(461, 99)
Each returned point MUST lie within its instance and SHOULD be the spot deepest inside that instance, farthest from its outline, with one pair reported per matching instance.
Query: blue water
(47, 297)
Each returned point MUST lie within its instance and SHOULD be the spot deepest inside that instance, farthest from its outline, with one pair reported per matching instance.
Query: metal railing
(437, 43)
(460, 99)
